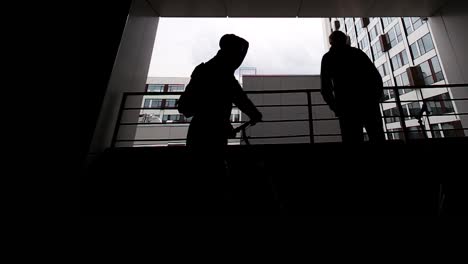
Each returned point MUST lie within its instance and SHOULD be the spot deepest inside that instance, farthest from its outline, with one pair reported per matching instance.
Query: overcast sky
(277, 45)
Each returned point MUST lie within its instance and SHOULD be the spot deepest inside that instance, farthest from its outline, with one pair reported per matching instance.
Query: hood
(233, 51)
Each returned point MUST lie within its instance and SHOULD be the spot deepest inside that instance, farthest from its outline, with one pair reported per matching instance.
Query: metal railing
(397, 100)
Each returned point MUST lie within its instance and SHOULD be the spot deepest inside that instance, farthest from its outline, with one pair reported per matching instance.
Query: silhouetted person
(352, 87)
(209, 98)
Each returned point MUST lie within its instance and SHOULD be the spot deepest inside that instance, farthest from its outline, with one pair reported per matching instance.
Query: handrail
(396, 100)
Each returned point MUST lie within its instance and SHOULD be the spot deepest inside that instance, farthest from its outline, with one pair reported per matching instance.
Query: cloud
(277, 46)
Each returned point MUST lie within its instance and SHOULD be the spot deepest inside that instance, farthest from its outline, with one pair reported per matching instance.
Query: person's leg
(351, 129)
(374, 125)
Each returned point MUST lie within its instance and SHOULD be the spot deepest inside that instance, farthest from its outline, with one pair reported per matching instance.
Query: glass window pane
(428, 80)
(436, 64)
(171, 102)
(408, 25)
(398, 80)
(421, 46)
(416, 22)
(426, 70)
(427, 42)
(147, 103)
(176, 87)
(405, 79)
(155, 103)
(155, 87)
(439, 76)
(395, 63)
(414, 50)
(405, 57)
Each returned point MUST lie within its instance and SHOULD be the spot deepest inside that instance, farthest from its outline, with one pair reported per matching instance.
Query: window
(417, 22)
(422, 46)
(440, 104)
(155, 88)
(394, 35)
(425, 44)
(412, 23)
(414, 50)
(427, 73)
(352, 36)
(369, 54)
(364, 43)
(392, 115)
(170, 103)
(413, 110)
(388, 93)
(436, 131)
(176, 87)
(387, 21)
(399, 60)
(172, 118)
(439, 76)
(149, 118)
(403, 80)
(431, 70)
(415, 132)
(349, 24)
(394, 134)
(448, 129)
(383, 69)
(377, 50)
(152, 103)
(408, 25)
(358, 26)
(374, 32)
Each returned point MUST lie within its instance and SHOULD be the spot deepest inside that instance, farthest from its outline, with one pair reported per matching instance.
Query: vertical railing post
(119, 118)
(427, 115)
(311, 121)
(402, 116)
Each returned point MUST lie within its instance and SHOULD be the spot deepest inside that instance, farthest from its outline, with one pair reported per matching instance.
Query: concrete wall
(449, 27)
(101, 26)
(129, 72)
(267, 129)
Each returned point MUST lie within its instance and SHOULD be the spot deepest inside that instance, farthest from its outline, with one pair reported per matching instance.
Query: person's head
(233, 49)
(338, 39)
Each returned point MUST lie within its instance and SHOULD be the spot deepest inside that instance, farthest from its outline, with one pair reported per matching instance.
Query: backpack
(187, 104)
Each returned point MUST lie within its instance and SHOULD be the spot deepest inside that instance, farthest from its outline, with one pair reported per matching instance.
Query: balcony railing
(435, 100)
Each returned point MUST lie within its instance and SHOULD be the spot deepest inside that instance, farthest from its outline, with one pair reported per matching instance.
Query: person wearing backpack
(208, 99)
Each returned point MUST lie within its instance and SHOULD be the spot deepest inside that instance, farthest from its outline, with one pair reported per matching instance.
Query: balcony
(397, 177)
(304, 117)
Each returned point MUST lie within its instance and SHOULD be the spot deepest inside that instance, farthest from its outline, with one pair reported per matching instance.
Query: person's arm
(327, 85)
(374, 75)
(245, 104)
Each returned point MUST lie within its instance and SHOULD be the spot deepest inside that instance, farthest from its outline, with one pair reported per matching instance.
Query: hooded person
(208, 99)
(213, 90)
